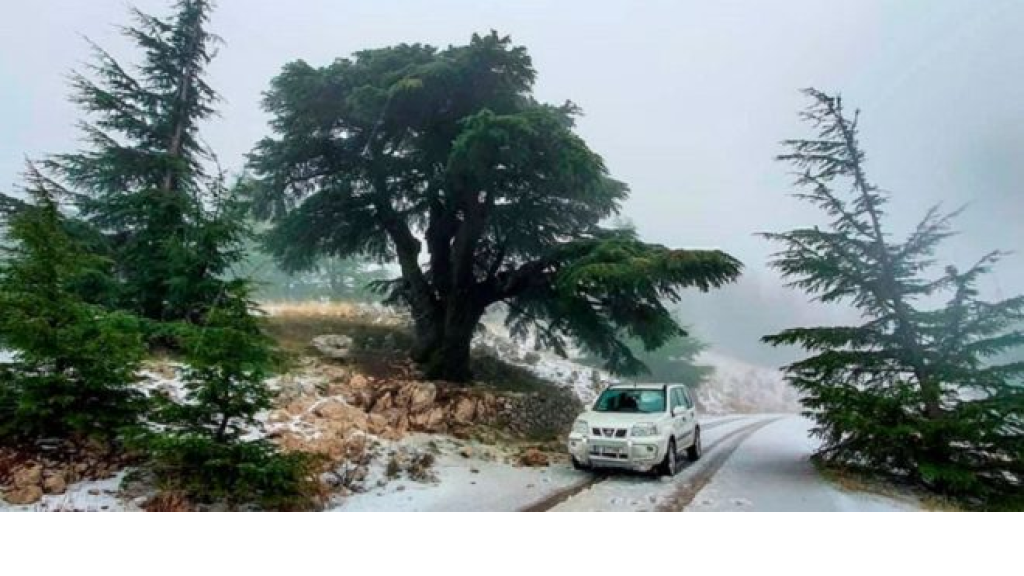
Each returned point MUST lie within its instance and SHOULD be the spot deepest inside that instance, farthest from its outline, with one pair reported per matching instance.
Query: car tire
(696, 450)
(670, 464)
(577, 465)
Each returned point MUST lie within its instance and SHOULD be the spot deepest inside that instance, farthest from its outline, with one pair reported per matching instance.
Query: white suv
(637, 426)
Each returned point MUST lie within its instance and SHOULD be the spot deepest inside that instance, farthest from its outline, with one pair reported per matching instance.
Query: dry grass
(314, 310)
(382, 342)
(295, 324)
(381, 338)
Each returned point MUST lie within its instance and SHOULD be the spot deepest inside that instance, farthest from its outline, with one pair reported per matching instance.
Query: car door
(685, 417)
(679, 427)
(690, 413)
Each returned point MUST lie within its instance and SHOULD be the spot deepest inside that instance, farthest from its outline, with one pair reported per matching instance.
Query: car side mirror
(678, 410)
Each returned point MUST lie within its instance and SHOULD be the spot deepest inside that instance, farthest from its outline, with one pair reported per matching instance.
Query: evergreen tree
(228, 360)
(912, 391)
(74, 362)
(676, 361)
(673, 362)
(201, 449)
(411, 147)
(141, 181)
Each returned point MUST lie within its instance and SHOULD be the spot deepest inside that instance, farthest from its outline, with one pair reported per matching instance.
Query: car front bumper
(639, 454)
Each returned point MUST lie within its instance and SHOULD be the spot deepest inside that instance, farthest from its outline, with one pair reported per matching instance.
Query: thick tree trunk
(449, 355)
(456, 351)
(427, 339)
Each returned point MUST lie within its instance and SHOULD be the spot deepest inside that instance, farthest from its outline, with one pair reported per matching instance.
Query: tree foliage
(673, 362)
(201, 450)
(153, 235)
(74, 362)
(142, 179)
(915, 391)
(407, 148)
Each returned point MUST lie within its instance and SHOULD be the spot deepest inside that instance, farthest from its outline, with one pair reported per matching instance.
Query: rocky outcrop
(26, 477)
(333, 411)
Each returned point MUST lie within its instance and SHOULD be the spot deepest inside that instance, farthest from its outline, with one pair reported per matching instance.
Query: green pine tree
(228, 360)
(912, 391)
(75, 363)
(141, 181)
(201, 448)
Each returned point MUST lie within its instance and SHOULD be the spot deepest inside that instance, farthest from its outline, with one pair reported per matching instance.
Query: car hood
(618, 419)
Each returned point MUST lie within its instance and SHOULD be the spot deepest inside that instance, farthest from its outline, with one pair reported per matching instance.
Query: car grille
(609, 432)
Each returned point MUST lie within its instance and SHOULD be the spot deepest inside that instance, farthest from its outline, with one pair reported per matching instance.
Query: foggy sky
(686, 101)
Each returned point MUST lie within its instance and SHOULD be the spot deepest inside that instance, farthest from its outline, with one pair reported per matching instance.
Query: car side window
(677, 399)
(687, 401)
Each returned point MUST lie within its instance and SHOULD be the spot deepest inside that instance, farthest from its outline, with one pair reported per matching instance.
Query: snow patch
(461, 484)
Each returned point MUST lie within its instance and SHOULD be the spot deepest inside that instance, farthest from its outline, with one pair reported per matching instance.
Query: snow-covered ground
(475, 483)
(464, 484)
(770, 471)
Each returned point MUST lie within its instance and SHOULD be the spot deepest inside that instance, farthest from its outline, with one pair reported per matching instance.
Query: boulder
(29, 475)
(434, 419)
(376, 424)
(55, 484)
(25, 495)
(533, 457)
(464, 409)
(382, 404)
(336, 346)
(417, 396)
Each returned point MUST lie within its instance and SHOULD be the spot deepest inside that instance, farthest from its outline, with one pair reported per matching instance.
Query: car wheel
(670, 465)
(577, 465)
(695, 451)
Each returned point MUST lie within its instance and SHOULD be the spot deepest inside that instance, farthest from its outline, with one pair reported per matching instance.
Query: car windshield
(631, 400)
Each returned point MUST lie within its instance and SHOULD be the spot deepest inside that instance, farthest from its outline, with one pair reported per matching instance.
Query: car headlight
(645, 429)
(580, 426)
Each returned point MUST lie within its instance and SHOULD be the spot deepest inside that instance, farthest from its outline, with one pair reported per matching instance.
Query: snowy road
(754, 463)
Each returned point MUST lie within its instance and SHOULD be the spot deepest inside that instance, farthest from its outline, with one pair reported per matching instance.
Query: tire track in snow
(688, 491)
(561, 496)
